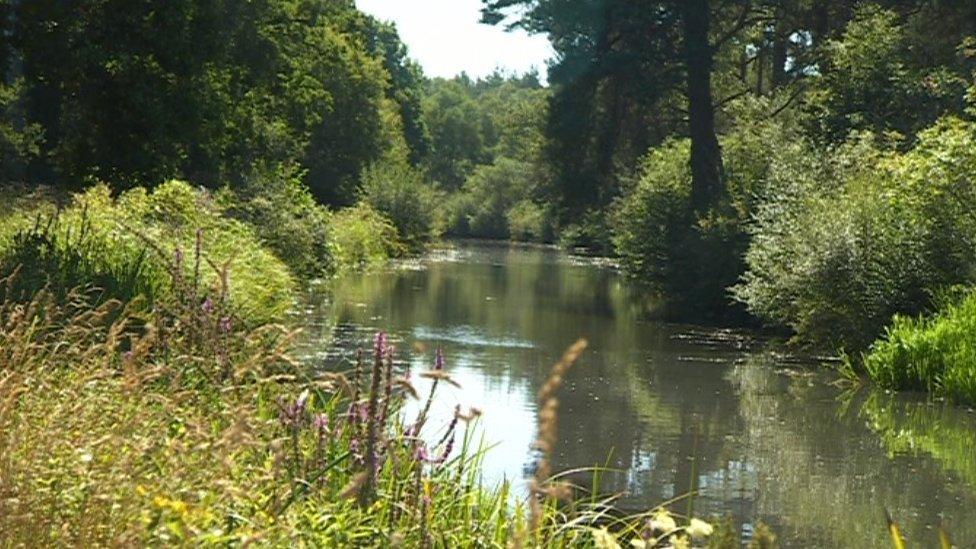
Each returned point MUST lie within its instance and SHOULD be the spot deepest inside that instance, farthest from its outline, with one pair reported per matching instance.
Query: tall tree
(706, 156)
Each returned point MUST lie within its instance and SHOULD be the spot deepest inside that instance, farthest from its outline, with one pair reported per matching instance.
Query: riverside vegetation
(173, 171)
(178, 418)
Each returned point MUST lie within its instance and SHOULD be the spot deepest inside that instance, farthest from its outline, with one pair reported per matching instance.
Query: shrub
(19, 141)
(399, 192)
(480, 209)
(935, 354)
(866, 234)
(363, 238)
(693, 260)
(286, 218)
(126, 247)
(527, 221)
(649, 223)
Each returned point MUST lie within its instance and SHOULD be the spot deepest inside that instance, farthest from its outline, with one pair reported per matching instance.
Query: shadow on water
(669, 407)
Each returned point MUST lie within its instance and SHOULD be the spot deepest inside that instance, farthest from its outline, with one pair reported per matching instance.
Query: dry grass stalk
(540, 487)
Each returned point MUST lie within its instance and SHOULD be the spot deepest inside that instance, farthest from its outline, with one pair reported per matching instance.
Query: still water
(671, 408)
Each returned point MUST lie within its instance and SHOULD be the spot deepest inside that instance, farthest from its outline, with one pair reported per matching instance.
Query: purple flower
(127, 356)
(292, 415)
(447, 450)
(225, 325)
(439, 359)
(379, 345)
(420, 453)
(321, 424)
(208, 306)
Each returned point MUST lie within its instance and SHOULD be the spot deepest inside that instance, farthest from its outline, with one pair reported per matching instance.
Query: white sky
(446, 38)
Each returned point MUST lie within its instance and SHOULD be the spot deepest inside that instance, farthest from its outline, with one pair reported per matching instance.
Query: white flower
(699, 529)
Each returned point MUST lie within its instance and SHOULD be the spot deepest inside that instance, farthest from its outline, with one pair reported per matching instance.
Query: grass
(935, 354)
(126, 246)
(179, 425)
(147, 398)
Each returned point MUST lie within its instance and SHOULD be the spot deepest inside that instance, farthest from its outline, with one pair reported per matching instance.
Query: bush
(286, 218)
(935, 354)
(693, 260)
(363, 238)
(480, 209)
(19, 141)
(527, 221)
(127, 247)
(399, 192)
(840, 247)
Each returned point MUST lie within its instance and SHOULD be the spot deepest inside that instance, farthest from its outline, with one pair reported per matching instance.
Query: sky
(445, 37)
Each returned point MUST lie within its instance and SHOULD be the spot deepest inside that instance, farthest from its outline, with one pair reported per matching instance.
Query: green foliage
(840, 245)
(650, 222)
(482, 205)
(286, 218)
(935, 354)
(125, 247)
(363, 238)
(868, 83)
(694, 260)
(528, 222)
(456, 144)
(134, 94)
(398, 191)
(19, 141)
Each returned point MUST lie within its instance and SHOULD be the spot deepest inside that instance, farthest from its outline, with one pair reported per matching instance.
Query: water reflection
(670, 407)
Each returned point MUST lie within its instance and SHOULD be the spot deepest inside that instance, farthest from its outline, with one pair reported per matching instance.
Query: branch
(730, 98)
(742, 22)
(789, 101)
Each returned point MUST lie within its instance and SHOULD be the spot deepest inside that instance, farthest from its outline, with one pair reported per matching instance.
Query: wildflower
(225, 325)
(603, 539)
(447, 451)
(321, 424)
(128, 356)
(292, 415)
(379, 345)
(698, 528)
(355, 450)
(471, 415)
(439, 360)
(208, 306)
(663, 522)
(420, 453)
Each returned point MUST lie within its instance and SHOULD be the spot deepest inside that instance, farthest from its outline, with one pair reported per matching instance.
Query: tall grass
(935, 353)
(125, 246)
(178, 425)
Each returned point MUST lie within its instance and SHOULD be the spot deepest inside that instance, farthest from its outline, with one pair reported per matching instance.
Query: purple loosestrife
(321, 424)
(197, 256)
(293, 415)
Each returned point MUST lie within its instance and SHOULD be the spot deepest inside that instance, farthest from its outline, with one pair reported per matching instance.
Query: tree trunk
(706, 157)
(781, 37)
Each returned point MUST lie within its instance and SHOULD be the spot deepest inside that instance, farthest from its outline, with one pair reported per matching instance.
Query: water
(671, 408)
